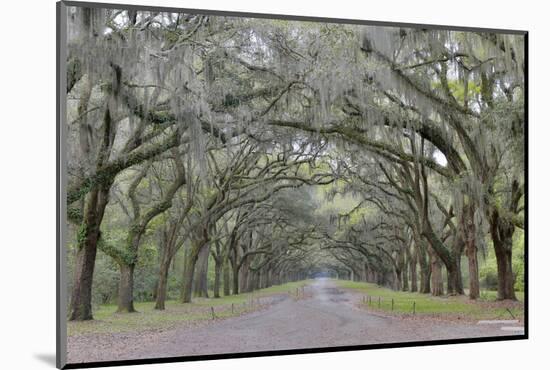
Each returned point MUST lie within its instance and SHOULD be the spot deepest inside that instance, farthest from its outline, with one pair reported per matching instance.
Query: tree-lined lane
(325, 316)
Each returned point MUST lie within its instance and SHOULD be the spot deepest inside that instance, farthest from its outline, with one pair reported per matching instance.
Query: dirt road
(326, 317)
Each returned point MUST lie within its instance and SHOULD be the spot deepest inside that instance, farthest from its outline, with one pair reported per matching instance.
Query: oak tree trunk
(504, 271)
(405, 274)
(126, 288)
(217, 276)
(200, 286)
(455, 272)
(243, 277)
(81, 297)
(437, 276)
(235, 280)
(425, 275)
(469, 230)
(88, 236)
(397, 280)
(191, 258)
(502, 232)
(162, 284)
(226, 278)
(414, 278)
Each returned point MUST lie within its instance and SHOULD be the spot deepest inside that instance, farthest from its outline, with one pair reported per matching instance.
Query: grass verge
(107, 320)
(453, 307)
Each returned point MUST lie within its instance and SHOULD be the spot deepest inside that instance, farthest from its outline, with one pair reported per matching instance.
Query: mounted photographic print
(235, 184)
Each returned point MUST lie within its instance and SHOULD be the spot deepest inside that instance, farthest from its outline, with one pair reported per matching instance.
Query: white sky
(440, 158)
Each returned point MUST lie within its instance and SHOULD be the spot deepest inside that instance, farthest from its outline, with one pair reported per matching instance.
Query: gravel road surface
(326, 317)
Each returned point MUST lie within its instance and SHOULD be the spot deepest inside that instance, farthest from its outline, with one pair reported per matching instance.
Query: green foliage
(145, 279)
(488, 275)
(230, 101)
(106, 278)
(518, 260)
(457, 89)
(171, 36)
(74, 215)
(339, 203)
(81, 234)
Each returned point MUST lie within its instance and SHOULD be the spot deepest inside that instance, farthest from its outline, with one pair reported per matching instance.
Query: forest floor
(321, 314)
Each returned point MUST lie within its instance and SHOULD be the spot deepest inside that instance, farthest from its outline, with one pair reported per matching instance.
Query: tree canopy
(278, 150)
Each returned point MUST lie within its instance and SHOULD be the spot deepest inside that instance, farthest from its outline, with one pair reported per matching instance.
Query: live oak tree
(140, 217)
(114, 124)
(202, 130)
